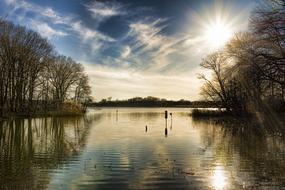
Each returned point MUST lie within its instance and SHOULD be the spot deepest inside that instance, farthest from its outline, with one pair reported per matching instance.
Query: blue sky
(133, 47)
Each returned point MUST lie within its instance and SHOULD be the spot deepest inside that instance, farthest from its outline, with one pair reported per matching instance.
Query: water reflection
(218, 178)
(254, 155)
(127, 149)
(31, 147)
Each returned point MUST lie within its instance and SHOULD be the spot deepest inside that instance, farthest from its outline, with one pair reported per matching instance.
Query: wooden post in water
(165, 116)
(171, 121)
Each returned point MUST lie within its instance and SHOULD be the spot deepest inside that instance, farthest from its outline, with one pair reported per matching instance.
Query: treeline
(249, 73)
(152, 102)
(33, 77)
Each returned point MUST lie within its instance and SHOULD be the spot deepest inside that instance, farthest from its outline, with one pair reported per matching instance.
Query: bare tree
(30, 72)
(215, 88)
(64, 73)
(82, 89)
(22, 54)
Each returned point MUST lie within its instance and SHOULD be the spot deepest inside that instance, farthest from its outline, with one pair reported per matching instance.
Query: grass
(209, 113)
(221, 114)
(66, 109)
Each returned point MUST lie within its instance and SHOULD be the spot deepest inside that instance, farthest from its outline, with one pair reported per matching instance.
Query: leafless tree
(30, 72)
(252, 68)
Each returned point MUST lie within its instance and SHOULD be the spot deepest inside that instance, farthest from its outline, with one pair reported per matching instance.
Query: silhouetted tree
(30, 72)
(251, 69)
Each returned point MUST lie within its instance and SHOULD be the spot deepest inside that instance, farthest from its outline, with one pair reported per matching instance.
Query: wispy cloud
(44, 13)
(100, 10)
(94, 39)
(126, 83)
(87, 33)
(144, 60)
(151, 45)
(126, 52)
(45, 30)
(50, 23)
(44, 19)
(147, 34)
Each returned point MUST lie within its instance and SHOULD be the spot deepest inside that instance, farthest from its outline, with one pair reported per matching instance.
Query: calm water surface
(114, 150)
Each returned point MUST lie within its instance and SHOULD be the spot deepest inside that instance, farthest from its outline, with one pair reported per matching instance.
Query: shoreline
(36, 115)
(167, 106)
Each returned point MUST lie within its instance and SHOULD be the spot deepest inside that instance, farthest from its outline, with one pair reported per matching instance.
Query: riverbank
(224, 113)
(66, 109)
(218, 113)
(271, 120)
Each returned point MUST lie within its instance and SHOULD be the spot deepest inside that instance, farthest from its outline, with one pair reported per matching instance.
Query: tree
(22, 56)
(31, 73)
(251, 69)
(63, 74)
(215, 88)
(82, 89)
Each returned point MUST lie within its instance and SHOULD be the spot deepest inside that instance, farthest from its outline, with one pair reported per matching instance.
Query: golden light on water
(218, 178)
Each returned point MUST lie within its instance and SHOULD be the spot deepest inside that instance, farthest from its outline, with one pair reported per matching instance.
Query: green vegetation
(34, 79)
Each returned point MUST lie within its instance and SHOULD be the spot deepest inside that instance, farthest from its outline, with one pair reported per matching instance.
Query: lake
(112, 148)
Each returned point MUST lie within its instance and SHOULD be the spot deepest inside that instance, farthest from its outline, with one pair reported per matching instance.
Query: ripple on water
(107, 151)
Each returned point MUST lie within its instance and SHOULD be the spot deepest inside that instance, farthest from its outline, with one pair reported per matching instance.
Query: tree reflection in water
(244, 150)
(29, 147)
(106, 149)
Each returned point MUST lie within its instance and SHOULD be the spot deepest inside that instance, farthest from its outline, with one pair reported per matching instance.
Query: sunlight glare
(218, 178)
(217, 34)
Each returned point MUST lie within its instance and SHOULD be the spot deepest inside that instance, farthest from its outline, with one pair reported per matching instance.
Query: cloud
(102, 10)
(43, 13)
(10, 2)
(45, 30)
(87, 33)
(44, 19)
(50, 23)
(143, 61)
(126, 83)
(147, 34)
(126, 52)
(94, 39)
(151, 48)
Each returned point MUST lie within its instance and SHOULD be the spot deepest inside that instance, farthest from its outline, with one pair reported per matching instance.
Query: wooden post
(171, 120)
(165, 116)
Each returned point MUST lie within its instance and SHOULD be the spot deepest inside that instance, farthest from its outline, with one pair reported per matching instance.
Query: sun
(217, 34)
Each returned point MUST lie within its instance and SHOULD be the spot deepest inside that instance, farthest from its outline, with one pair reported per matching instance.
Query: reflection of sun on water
(218, 178)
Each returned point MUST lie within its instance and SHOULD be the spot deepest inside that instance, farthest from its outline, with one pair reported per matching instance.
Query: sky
(133, 48)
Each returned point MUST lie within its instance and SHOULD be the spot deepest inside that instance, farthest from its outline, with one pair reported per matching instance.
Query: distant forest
(153, 102)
